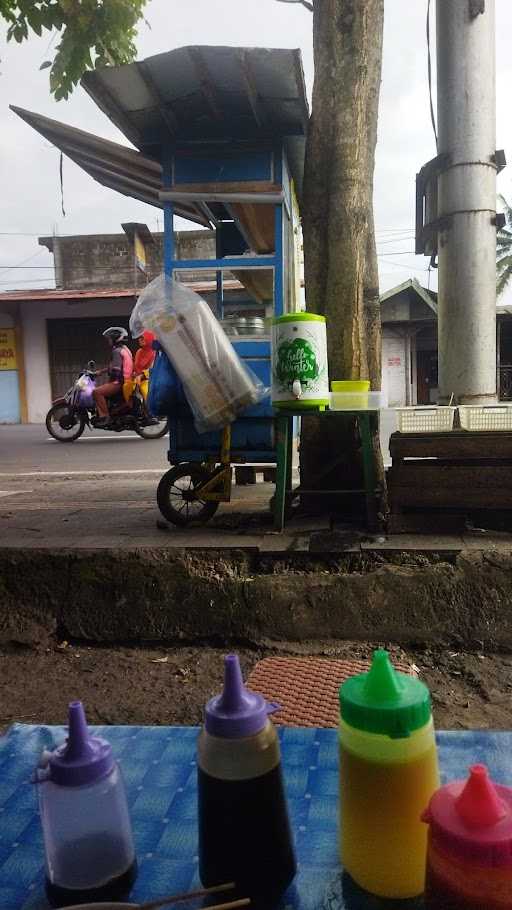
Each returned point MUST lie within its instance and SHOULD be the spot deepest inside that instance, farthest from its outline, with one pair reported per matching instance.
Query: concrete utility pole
(466, 110)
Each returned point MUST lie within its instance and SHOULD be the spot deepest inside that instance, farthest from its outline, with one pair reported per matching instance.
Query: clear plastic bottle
(469, 860)
(388, 772)
(244, 831)
(87, 833)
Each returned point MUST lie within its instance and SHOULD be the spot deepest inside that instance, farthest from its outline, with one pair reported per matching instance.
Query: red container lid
(473, 819)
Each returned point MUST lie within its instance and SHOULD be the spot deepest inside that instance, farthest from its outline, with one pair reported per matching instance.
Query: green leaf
(34, 20)
(93, 32)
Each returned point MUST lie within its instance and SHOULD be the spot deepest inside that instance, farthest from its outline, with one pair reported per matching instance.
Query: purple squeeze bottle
(84, 814)
(244, 831)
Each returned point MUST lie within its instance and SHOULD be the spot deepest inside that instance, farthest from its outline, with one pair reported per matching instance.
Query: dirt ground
(169, 685)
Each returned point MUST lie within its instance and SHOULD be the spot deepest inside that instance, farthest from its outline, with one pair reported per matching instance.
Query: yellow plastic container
(350, 385)
(354, 392)
(388, 773)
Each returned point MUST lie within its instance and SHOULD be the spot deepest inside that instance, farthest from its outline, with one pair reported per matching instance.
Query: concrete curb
(156, 595)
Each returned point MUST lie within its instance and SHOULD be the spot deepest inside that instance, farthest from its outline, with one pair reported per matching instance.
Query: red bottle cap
(473, 819)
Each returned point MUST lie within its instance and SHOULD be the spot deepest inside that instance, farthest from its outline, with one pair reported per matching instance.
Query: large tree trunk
(339, 240)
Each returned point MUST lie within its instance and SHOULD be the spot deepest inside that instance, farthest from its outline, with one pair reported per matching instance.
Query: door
(393, 370)
(426, 369)
(72, 343)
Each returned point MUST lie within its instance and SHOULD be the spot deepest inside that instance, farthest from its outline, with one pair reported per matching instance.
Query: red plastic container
(469, 862)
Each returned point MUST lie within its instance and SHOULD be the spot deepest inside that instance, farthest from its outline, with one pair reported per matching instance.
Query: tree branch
(305, 3)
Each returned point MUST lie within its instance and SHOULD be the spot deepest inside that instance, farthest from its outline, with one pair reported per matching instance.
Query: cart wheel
(175, 496)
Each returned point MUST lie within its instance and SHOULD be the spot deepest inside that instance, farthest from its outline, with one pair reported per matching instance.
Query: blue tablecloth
(160, 773)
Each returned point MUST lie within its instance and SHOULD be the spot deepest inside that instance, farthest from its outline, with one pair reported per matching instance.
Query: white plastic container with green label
(299, 361)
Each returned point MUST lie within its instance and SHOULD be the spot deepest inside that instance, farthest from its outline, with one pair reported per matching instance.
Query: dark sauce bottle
(84, 814)
(244, 830)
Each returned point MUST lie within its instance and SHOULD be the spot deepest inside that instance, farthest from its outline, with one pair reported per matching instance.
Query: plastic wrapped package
(217, 384)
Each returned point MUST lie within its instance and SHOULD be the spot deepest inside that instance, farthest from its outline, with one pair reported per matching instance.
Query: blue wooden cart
(248, 195)
(242, 172)
(220, 134)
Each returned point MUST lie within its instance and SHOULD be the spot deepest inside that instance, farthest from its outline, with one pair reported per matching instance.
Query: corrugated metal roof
(63, 294)
(200, 287)
(201, 93)
(188, 97)
(113, 165)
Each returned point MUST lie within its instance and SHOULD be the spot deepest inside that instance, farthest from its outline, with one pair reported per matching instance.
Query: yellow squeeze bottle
(388, 773)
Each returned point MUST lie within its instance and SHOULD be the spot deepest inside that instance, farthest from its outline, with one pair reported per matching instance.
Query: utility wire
(429, 67)
(27, 281)
(386, 230)
(396, 240)
(61, 176)
(22, 263)
(406, 267)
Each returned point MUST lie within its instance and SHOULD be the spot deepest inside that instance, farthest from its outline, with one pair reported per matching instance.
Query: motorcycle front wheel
(63, 424)
(154, 430)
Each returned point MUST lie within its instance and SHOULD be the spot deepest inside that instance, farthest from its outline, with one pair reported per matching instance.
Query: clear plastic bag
(217, 384)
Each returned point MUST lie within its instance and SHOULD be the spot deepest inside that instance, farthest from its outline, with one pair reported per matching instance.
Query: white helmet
(116, 333)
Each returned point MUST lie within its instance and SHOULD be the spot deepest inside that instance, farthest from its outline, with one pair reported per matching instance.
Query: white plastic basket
(486, 417)
(425, 419)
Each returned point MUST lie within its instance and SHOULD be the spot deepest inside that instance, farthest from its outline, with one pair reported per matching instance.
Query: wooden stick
(187, 896)
(231, 905)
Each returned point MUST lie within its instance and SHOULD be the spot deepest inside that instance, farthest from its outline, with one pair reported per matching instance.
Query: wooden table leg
(368, 470)
(283, 469)
(289, 457)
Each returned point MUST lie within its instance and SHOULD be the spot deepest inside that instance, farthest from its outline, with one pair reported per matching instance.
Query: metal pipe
(169, 250)
(466, 109)
(279, 289)
(253, 198)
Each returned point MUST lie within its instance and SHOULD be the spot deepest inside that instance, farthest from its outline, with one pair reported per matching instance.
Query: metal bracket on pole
(500, 160)
(476, 8)
(426, 204)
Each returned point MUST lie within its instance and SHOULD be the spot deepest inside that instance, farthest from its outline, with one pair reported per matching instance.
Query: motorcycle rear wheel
(58, 413)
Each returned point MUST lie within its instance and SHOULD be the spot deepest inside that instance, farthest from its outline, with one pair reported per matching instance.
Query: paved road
(101, 492)
(43, 504)
(26, 449)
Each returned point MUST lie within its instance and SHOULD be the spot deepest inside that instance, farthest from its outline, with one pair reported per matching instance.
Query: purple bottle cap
(236, 712)
(81, 759)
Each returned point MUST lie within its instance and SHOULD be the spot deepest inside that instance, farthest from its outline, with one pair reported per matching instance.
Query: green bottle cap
(385, 701)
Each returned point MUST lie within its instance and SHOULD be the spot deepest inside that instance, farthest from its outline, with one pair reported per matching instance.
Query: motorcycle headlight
(81, 383)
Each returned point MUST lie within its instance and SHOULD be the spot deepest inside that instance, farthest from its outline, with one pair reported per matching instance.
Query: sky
(29, 166)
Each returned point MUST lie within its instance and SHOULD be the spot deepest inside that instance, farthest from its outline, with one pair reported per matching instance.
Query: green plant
(93, 33)
(504, 250)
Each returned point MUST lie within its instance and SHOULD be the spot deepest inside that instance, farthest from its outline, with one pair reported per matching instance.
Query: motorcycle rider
(144, 355)
(142, 362)
(119, 370)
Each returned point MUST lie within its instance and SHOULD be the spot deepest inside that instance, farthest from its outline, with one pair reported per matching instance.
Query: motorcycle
(68, 416)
